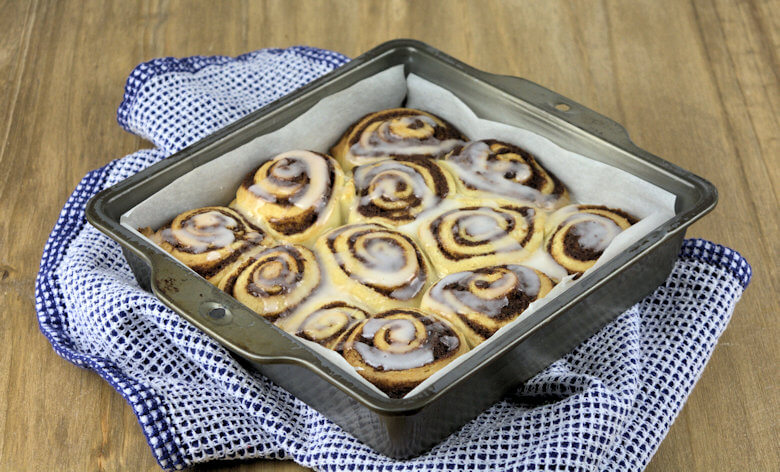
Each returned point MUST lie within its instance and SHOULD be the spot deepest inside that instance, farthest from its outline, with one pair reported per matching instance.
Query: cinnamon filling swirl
(579, 234)
(481, 301)
(291, 193)
(396, 132)
(329, 323)
(274, 281)
(476, 231)
(396, 191)
(505, 169)
(376, 257)
(398, 349)
(209, 239)
(475, 236)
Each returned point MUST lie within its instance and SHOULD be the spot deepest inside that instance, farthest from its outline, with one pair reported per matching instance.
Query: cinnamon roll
(295, 194)
(397, 349)
(480, 302)
(506, 170)
(274, 281)
(478, 235)
(577, 235)
(325, 323)
(393, 133)
(376, 265)
(209, 239)
(396, 191)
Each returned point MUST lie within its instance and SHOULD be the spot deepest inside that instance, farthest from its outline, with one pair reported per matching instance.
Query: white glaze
(203, 232)
(480, 227)
(381, 180)
(327, 322)
(485, 226)
(517, 279)
(404, 351)
(384, 142)
(595, 233)
(543, 262)
(377, 358)
(471, 165)
(308, 193)
(391, 265)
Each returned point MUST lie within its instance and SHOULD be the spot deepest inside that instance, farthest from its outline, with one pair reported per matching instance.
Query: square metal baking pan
(406, 427)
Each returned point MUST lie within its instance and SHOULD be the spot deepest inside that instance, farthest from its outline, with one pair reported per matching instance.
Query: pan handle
(604, 128)
(244, 332)
(565, 108)
(222, 317)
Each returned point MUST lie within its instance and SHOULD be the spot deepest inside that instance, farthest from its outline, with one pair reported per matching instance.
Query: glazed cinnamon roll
(393, 133)
(325, 323)
(506, 170)
(397, 349)
(295, 195)
(577, 235)
(274, 281)
(376, 265)
(209, 239)
(396, 191)
(480, 302)
(479, 235)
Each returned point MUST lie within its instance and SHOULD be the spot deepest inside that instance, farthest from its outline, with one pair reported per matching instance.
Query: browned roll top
(396, 132)
(507, 170)
(292, 194)
(398, 349)
(209, 239)
(577, 235)
(275, 280)
(481, 301)
(476, 231)
(398, 190)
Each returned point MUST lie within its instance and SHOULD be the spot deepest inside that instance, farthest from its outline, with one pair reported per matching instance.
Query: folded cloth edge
(51, 321)
(144, 71)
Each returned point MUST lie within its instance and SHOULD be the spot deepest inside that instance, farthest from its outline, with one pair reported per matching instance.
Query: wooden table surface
(694, 82)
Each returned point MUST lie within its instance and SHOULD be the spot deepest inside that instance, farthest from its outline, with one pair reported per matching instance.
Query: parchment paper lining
(588, 181)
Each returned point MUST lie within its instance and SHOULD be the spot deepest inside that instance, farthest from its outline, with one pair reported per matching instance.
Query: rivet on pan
(562, 107)
(215, 312)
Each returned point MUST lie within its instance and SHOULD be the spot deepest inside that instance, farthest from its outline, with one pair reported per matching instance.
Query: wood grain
(695, 83)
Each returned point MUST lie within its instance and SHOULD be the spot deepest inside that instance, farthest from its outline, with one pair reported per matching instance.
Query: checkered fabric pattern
(604, 406)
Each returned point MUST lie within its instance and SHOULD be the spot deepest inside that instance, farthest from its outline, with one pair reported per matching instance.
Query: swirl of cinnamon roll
(295, 195)
(378, 266)
(507, 170)
(479, 235)
(326, 324)
(393, 133)
(480, 302)
(395, 191)
(577, 235)
(273, 281)
(397, 349)
(209, 239)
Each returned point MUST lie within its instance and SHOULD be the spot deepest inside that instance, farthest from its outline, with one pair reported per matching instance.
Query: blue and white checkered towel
(605, 406)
